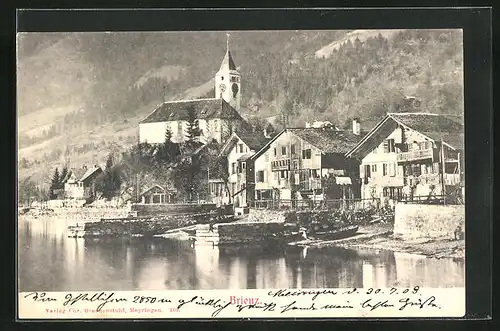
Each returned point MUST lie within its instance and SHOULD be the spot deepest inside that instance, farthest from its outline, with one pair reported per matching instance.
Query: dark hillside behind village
(81, 95)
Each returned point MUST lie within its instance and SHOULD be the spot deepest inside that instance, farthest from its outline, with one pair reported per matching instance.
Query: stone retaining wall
(428, 221)
(239, 233)
(81, 214)
(147, 227)
(157, 209)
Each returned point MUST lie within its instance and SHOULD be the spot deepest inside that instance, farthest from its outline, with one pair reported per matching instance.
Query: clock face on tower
(235, 89)
(222, 87)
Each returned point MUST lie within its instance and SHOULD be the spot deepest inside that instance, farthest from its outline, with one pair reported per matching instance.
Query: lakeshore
(380, 237)
(377, 236)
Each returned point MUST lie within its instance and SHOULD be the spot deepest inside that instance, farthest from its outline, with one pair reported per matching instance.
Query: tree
(109, 182)
(64, 173)
(193, 127)
(54, 184)
(27, 191)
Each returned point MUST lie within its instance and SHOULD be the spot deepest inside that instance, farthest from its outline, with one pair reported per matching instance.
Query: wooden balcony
(280, 165)
(416, 155)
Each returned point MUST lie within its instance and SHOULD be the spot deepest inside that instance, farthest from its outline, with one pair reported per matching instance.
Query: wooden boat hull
(336, 234)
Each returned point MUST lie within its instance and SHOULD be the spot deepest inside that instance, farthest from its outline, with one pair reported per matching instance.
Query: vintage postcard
(241, 174)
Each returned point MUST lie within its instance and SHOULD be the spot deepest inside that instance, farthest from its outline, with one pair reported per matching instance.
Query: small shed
(157, 195)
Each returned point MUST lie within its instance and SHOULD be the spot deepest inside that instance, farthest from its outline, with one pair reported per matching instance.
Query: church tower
(228, 80)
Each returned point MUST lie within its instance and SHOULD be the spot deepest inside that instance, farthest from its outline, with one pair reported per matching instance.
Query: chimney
(356, 126)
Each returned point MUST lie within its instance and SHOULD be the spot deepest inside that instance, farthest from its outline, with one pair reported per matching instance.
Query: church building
(217, 117)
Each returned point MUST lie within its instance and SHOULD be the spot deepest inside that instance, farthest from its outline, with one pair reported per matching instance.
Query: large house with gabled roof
(238, 151)
(297, 162)
(411, 154)
(79, 183)
(218, 117)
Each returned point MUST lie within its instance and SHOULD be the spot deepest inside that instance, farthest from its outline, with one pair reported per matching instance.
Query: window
(283, 150)
(392, 169)
(306, 154)
(240, 148)
(260, 176)
(292, 149)
(243, 165)
(367, 171)
(275, 152)
(416, 170)
(384, 169)
(374, 168)
(389, 146)
(283, 174)
(392, 146)
(233, 168)
(221, 77)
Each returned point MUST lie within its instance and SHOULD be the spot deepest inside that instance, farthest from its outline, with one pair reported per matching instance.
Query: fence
(450, 199)
(303, 204)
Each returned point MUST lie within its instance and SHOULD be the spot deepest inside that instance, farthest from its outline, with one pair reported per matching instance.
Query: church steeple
(227, 61)
(227, 80)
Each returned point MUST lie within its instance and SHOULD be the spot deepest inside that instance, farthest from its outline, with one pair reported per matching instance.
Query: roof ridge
(190, 100)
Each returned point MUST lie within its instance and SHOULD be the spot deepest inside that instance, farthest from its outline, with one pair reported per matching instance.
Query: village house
(238, 151)
(307, 163)
(79, 183)
(217, 117)
(411, 154)
(156, 194)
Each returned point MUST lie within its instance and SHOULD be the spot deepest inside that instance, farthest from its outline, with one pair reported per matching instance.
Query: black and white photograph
(240, 160)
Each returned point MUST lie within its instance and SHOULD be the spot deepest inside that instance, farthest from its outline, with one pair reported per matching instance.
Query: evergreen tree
(64, 173)
(110, 181)
(193, 128)
(54, 183)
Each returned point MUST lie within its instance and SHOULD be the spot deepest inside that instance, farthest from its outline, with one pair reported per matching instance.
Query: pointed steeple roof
(227, 61)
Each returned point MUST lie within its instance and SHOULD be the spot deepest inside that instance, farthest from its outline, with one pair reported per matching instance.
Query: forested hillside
(81, 95)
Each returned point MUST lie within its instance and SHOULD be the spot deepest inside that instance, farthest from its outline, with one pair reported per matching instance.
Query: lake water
(49, 261)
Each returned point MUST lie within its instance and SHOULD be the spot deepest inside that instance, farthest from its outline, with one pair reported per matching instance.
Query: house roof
(438, 127)
(153, 187)
(328, 140)
(76, 172)
(245, 157)
(90, 172)
(431, 123)
(254, 140)
(449, 128)
(204, 109)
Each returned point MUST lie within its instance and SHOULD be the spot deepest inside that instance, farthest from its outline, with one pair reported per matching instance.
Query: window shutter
(362, 171)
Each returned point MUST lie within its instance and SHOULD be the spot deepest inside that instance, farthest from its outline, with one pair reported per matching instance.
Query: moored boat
(339, 233)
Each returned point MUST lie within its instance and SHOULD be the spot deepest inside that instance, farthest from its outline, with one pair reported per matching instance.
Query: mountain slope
(81, 95)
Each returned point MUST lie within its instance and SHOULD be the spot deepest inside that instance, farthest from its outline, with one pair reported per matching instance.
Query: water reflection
(50, 261)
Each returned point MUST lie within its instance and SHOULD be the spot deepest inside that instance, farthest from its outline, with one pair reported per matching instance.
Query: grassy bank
(379, 236)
